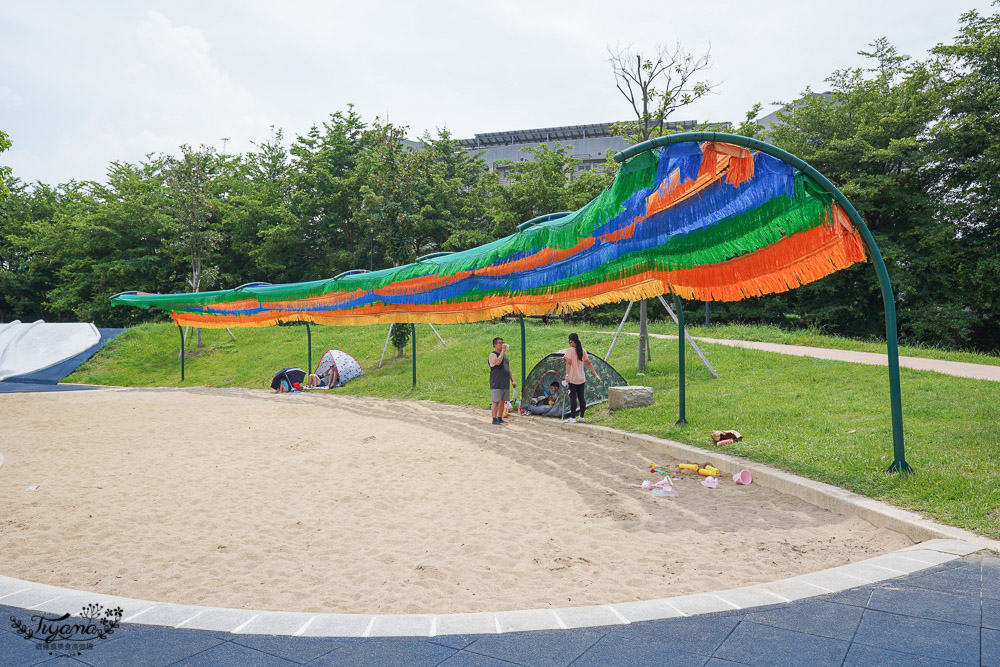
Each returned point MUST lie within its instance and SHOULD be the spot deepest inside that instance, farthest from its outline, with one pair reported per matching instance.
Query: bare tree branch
(657, 86)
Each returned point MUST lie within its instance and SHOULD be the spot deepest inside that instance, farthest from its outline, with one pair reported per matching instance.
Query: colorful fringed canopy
(711, 222)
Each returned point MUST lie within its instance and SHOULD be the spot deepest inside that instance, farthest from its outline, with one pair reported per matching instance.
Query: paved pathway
(37, 387)
(945, 615)
(958, 368)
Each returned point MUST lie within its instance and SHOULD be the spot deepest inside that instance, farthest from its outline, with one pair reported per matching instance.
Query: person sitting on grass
(550, 396)
(330, 379)
(546, 405)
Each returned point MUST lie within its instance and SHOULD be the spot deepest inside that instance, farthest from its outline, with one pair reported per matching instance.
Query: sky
(85, 84)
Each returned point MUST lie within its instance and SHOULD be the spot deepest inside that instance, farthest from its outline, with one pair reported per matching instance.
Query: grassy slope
(795, 413)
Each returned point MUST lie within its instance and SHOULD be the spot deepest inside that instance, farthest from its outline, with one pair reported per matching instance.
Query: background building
(591, 143)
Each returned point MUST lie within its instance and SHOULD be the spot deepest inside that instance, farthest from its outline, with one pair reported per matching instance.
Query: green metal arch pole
(682, 419)
(523, 355)
(181, 331)
(309, 344)
(899, 463)
(413, 351)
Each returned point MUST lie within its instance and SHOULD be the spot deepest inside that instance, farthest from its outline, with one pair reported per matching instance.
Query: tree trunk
(196, 284)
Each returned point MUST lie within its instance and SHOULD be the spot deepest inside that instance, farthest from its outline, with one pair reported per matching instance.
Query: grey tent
(551, 369)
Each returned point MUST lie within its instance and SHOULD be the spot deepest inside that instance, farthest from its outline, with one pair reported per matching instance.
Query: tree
(869, 136)
(108, 238)
(453, 197)
(966, 160)
(750, 127)
(5, 172)
(391, 173)
(325, 235)
(542, 185)
(28, 271)
(258, 212)
(64, 250)
(399, 337)
(657, 85)
(189, 182)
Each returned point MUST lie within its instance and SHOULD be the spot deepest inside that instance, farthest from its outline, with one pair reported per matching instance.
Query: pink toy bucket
(743, 477)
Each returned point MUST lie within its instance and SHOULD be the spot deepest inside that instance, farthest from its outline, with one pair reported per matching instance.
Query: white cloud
(170, 89)
(9, 99)
(85, 84)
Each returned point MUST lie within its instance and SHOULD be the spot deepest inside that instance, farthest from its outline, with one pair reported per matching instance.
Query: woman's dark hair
(579, 346)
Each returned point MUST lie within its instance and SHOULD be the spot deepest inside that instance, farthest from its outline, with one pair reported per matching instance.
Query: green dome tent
(552, 368)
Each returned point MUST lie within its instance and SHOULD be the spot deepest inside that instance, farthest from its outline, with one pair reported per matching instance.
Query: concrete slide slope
(26, 348)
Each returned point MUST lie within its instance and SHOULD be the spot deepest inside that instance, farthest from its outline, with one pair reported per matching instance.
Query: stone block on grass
(622, 398)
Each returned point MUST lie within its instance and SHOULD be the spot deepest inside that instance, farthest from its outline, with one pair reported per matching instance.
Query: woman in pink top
(575, 358)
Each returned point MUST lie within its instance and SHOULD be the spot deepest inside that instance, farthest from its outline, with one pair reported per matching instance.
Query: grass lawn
(795, 413)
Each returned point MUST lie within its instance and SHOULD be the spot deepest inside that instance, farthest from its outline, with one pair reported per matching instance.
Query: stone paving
(945, 615)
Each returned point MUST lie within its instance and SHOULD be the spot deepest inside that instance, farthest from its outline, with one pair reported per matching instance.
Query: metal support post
(437, 334)
(413, 349)
(385, 347)
(184, 337)
(643, 336)
(524, 352)
(181, 332)
(618, 333)
(670, 311)
(309, 344)
(680, 358)
(899, 463)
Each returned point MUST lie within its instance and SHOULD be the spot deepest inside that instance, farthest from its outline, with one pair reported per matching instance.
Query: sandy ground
(327, 503)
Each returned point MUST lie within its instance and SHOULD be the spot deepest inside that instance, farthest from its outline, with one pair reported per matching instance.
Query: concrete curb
(54, 600)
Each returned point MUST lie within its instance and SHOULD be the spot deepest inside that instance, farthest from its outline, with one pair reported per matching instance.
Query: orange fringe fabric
(542, 258)
(332, 299)
(720, 160)
(782, 266)
(740, 162)
(785, 265)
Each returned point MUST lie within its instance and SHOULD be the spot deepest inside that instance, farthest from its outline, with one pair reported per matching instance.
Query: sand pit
(326, 503)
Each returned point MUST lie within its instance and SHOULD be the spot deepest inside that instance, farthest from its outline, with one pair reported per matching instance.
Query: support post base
(900, 466)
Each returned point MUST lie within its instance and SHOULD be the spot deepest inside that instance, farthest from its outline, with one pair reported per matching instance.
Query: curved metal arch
(899, 463)
(352, 272)
(432, 255)
(542, 218)
(250, 286)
